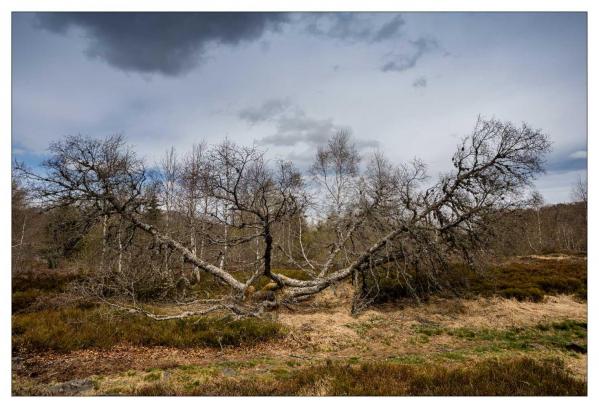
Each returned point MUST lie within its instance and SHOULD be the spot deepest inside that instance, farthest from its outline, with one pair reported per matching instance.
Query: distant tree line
(556, 228)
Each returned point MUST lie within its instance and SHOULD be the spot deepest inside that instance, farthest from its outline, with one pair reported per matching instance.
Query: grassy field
(475, 344)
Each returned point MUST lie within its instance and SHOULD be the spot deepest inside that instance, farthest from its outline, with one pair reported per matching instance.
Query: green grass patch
(567, 335)
(428, 329)
(154, 376)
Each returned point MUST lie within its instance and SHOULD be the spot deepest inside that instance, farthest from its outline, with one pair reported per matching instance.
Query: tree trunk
(186, 254)
(103, 258)
(360, 289)
(225, 247)
(120, 258)
(196, 270)
(539, 229)
(267, 250)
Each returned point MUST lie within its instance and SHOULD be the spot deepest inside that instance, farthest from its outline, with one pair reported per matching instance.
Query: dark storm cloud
(403, 62)
(420, 83)
(173, 43)
(352, 27)
(166, 43)
(294, 126)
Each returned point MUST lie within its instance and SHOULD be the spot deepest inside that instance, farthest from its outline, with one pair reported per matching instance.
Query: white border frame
(7, 6)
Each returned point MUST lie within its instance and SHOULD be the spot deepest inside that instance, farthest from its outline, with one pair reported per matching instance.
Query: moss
(153, 376)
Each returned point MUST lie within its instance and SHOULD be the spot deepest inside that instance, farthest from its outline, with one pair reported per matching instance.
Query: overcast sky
(409, 84)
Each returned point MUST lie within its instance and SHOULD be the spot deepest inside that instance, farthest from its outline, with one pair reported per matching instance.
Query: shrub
(524, 377)
(23, 299)
(155, 390)
(531, 294)
(73, 328)
(523, 279)
(47, 281)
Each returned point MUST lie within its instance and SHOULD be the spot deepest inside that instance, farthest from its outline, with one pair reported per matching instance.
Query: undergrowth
(74, 328)
(522, 279)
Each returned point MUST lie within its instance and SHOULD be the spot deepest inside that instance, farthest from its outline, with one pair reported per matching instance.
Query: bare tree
(18, 200)
(579, 191)
(580, 194)
(536, 202)
(170, 175)
(335, 171)
(193, 187)
(255, 196)
(387, 217)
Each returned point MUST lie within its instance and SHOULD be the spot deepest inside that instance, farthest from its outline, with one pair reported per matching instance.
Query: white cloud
(579, 154)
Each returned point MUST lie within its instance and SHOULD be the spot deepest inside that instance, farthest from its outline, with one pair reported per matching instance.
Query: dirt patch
(48, 367)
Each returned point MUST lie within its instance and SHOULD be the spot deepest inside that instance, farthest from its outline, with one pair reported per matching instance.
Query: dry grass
(491, 378)
(390, 334)
(335, 323)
